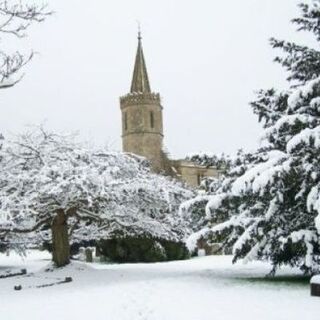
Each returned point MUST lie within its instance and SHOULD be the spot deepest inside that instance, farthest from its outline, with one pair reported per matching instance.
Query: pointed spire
(140, 81)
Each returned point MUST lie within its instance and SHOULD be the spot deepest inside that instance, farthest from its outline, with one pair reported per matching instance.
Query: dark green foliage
(310, 18)
(211, 160)
(269, 106)
(302, 62)
(133, 249)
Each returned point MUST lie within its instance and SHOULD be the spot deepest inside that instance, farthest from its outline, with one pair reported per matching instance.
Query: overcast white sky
(205, 57)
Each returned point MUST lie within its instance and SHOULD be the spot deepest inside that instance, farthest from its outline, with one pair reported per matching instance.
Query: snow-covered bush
(52, 185)
(268, 206)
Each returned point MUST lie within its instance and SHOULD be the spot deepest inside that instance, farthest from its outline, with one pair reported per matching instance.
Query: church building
(142, 128)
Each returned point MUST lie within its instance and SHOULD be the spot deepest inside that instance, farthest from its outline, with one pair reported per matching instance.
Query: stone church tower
(142, 127)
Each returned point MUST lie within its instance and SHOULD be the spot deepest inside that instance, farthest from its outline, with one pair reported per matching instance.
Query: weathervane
(139, 30)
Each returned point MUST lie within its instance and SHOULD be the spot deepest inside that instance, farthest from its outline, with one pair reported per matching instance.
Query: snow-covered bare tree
(55, 189)
(16, 16)
(270, 206)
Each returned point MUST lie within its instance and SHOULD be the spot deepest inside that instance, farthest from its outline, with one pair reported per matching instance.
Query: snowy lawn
(205, 288)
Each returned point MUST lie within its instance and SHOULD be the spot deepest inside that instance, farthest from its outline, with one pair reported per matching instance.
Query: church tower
(142, 127)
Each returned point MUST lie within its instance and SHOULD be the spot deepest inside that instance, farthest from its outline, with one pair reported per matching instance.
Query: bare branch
(10, 67)
(17, 17)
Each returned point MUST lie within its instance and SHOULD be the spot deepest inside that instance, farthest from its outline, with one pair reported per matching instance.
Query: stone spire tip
(140, 80)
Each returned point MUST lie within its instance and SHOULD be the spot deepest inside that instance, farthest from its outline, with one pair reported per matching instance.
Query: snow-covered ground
(206, 288)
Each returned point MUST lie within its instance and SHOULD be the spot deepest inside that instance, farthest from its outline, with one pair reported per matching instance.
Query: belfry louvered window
(151, 120)
(125, 121)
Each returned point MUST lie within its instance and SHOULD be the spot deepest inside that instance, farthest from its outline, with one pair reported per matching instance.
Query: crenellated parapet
(141, 98)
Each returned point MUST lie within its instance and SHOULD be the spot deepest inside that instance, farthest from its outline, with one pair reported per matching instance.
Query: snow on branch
(100, 193)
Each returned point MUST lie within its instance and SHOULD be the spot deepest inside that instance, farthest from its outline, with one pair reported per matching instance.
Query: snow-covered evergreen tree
(52, 185)
(216, 205)
(270, 205)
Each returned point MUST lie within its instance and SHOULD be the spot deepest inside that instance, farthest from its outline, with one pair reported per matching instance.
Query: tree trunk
(60, 239)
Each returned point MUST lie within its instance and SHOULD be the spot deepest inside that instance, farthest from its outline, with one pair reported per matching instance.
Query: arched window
(151, 120)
